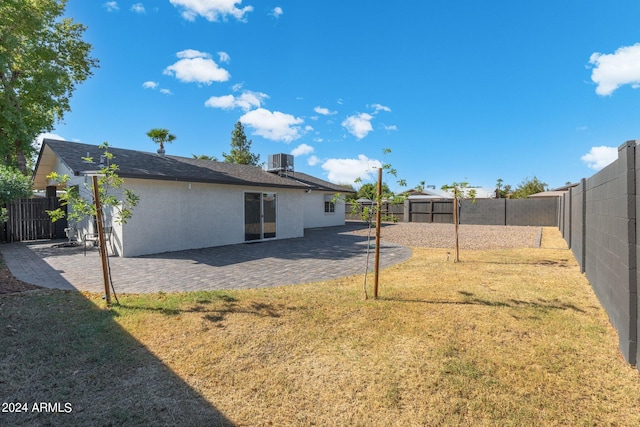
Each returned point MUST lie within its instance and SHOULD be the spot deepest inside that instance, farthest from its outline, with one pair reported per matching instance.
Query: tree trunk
(21, 161)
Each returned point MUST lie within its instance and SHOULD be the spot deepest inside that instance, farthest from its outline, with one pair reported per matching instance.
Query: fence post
(406, 216)
(570, 215)
(505, 211)
(630, 148)
(583, 228)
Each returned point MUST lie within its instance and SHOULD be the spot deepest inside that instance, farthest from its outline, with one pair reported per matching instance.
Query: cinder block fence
(526, 212)
(598, 220)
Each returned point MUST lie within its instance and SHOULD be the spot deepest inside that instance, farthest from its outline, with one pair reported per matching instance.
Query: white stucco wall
(314, 214)
(174, 216)
(84, 185)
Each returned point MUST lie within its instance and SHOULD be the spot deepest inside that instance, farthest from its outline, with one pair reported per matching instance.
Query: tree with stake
(375, 210)
(161, 136)
(459, 190)
(42, 60)
(102, 198)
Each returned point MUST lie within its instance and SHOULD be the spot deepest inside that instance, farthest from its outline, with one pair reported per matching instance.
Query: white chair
(94, 239)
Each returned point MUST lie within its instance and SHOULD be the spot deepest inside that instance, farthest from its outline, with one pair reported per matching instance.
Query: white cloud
(358, 125)
(246, 101)
(276, 12)
(138, 8)
(154, 85)
(391, 127)
(302, 150)
(379, 107)
(324, 111)
(275, 126)
(348, 170)
(225, 102)
(313, 160)
(616, 69)
(211, 10)
(224, 57)
(198, 67)
(47, 135)
(599, 157)
(150, 85)
(111, 6)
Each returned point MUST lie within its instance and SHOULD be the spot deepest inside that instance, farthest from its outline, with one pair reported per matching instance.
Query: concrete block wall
(600, 227)
(536, 212)
(525, 212)
(484, 212)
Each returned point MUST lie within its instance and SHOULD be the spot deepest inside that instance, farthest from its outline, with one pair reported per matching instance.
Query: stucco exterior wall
(314, 214)
(84, 185)
(174, 216)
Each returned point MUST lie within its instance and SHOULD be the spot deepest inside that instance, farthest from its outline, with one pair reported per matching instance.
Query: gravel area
(470, 236)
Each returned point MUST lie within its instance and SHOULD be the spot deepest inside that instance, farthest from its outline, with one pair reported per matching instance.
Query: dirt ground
(9, 284)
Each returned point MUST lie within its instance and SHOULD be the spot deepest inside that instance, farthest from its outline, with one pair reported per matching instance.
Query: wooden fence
(439, 211)
(28, 220)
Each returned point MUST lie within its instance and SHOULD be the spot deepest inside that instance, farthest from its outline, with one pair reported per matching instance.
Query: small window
(329, 207)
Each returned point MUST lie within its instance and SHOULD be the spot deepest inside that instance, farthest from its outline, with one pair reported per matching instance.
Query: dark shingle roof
(317, 183)
(145, 165)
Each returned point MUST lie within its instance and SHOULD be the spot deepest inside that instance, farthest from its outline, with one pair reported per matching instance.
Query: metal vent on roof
(280, 163)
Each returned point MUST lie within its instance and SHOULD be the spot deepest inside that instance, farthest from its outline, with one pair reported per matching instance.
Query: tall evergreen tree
(42, 59)
(240, 148)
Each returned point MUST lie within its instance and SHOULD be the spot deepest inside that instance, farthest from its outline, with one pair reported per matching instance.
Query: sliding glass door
(259, 216)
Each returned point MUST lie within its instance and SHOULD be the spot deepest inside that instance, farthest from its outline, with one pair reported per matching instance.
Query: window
(329, 206)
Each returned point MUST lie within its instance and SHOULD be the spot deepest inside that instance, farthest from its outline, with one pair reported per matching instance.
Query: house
(190, 203)
(430, 192)
(480, 192)
(556, 192)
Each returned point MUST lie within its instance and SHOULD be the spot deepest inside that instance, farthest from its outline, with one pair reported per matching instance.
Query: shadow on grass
(67, 362)
(216, 314)
(542, 262)
(470, 299)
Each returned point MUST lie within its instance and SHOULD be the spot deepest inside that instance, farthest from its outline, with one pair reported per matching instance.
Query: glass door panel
(252, 217)
(269, 215)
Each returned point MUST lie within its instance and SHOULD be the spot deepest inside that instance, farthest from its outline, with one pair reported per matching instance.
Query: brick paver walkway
(322, 254)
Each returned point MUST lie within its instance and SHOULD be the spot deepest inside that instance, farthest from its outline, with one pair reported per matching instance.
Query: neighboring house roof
(553, 193)
(481, 192)
(566, 187)
(427, 193)
(317, 183)
(145, 165)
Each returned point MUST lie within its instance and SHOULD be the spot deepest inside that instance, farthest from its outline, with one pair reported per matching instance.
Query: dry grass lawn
(506, 337)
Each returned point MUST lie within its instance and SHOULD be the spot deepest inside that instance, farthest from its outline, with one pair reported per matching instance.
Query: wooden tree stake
(103, 247)
(378, 220)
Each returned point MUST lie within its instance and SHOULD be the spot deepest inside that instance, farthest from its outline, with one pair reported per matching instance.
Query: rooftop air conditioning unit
(280, 163)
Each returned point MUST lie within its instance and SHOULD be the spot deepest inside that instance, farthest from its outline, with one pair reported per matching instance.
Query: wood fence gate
(28, 220)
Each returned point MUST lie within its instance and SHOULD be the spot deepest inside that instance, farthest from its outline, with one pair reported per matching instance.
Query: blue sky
(458, 90)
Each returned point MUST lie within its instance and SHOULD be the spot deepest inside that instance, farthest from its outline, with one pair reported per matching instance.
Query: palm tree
(161, 136)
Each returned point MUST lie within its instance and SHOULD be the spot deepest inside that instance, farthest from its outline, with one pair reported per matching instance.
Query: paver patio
(322, 254)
